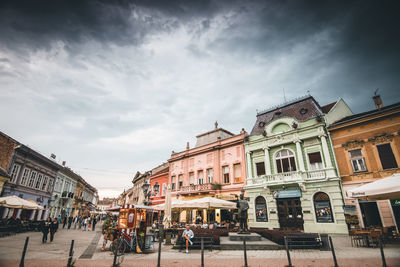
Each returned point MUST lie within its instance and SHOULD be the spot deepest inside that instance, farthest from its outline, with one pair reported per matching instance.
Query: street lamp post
(146, 193)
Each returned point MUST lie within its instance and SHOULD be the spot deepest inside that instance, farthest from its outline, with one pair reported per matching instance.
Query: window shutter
(260, 168)
(386, 155)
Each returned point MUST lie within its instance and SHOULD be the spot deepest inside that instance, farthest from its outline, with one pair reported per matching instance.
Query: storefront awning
(386, 188)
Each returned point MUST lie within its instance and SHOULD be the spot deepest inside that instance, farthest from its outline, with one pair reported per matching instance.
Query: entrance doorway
(370, 213)
(290, 213)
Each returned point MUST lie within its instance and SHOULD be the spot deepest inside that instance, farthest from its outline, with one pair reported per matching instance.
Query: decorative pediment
(381, 138)
(352, 144)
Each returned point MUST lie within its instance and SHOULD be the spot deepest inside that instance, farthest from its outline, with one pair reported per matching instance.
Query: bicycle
(124, 243)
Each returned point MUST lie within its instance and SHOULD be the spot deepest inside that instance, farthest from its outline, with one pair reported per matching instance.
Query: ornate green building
(292, 176)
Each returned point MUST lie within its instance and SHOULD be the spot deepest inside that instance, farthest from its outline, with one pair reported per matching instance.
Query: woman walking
(45, 229)
(53, 229)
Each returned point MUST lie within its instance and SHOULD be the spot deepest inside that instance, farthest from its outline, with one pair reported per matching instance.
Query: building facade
(367, 148)
(7, 146)
(292, 177)
(63, 193)
(85, 198)
(32, 178)
(158, 184)
(214, 167)
(136, 195)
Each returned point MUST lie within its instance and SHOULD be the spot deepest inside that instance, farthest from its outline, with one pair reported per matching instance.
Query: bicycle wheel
(121, 247)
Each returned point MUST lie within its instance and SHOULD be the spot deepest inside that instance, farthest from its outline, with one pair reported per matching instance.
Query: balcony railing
(288, 177)
(196, 188)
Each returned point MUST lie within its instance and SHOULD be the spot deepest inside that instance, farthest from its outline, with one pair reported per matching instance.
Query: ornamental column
(18, 214)
(325, 150)
(249, 168)
(267, 161)
(300, 155)
(5, 213)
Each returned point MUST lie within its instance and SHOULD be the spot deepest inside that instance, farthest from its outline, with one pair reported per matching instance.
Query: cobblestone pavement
(56, 254)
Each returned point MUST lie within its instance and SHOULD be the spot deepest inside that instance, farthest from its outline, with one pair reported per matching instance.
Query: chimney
(378, 101)
(187, 145)
(63, 163)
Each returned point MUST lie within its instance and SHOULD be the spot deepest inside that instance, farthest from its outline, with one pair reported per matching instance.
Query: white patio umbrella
(15, 202)
(386, 188)
(208, 203)
(167, 208)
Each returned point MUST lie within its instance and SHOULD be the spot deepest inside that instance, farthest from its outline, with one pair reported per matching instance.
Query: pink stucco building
(214, 167)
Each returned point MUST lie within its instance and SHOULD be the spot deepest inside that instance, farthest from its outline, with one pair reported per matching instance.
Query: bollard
(202, 252)
(160, 239)
(115, 257)
(21, 263)
(245, 252)
(333, 252)
(288, 253)
(71, 253)
(382, 254)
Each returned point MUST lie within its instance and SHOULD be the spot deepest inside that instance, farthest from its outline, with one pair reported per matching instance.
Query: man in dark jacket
(45, 229)
(53, 229)
(64, 221)
(69, 221)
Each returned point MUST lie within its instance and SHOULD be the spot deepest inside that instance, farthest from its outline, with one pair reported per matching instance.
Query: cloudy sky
(112, 87)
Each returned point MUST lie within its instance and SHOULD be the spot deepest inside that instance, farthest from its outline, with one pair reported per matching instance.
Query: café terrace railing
(196, 188)
(288, 177)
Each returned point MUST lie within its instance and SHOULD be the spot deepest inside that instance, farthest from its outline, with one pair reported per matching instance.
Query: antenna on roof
(376, 91)
(284, 95)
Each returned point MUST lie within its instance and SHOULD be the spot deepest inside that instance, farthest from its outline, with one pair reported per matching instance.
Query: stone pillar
(300, 155)
(325, 150)
(32, 215)
(39, 217)
(267, 162)
(5, 213)
(10, 213)
(249, 168)
(18, 214)
(45, 214)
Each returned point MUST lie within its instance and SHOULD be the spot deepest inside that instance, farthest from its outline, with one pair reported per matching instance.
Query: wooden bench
(207, 242)
(303, 241)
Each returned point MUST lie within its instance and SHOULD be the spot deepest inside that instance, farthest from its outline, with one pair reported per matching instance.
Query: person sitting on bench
(187, 236)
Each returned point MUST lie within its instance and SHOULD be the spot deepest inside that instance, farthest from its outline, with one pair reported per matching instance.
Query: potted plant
(217, 186)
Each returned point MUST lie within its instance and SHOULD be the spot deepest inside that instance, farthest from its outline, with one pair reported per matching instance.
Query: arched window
(285, 161)
(261, 209)
(323, 209)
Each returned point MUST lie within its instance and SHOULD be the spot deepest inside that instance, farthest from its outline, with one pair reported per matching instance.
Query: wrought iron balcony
(197, 188)
(292, 177)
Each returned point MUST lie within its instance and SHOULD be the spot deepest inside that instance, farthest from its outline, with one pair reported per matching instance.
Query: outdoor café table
(365, 235)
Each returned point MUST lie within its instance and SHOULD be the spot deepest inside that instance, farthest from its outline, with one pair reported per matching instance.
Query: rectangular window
(386, 156)
(38, 181)
(237, 172)
(315, 161)
(209, 175)
(225, 173)
(25, 176)
(14, 173)
(164, 188)
(357, 160)
(260, 168)
(32, 179)
(180, 181)
(191, 178)
(44, 184)
(50, 187)
(200, 177)
(173, 182)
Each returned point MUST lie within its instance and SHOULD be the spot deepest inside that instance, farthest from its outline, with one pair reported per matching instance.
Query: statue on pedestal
(243, 206)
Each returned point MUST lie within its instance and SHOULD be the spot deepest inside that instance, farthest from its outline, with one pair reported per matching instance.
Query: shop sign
(261, 213)
(290, 193)
(395, 202)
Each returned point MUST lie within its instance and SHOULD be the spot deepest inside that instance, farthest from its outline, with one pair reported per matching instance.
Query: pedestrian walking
(64, 221)
(45, 229)
(89, 223)
(94, 223)
(53, 229)
(69, 221)
(80, 222)
(84, 223)
(75, 221)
